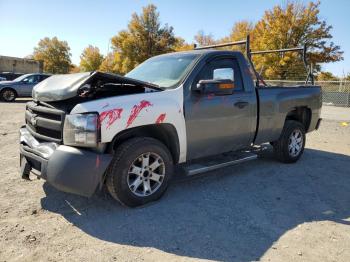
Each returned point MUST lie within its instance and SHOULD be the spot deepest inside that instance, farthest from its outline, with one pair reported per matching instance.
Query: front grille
(44, 123)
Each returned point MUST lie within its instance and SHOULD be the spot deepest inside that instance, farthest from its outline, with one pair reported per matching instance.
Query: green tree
(144, 38)
(293, 25)
(90, 59)
(55, 54)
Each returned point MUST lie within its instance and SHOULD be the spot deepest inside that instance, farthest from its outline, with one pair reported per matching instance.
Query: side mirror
(216, 86)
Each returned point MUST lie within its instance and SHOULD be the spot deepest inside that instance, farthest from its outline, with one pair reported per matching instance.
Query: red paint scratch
(160, 118)
(135, 111)
(111, 116)
(98, 161)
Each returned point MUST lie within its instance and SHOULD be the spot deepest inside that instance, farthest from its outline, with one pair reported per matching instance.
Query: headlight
(81, 130)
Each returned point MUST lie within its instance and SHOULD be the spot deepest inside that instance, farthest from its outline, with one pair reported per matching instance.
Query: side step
(206, 165)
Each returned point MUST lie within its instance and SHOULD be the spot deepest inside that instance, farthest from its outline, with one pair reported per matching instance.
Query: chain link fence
(336, 93)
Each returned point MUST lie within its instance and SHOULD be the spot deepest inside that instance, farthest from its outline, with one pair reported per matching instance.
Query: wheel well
(302, 115)
(166, 133)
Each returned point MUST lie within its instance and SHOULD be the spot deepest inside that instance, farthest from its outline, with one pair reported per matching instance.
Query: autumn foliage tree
(144, 38)
(55, 54)
(326, 76)
(293, 25)
(90, 59)
(239, 32)
(203, 39)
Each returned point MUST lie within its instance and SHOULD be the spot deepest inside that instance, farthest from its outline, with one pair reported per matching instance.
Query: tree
(74, 69)
(203, 39)
(144, 38)
(181, 45)
(347, 78)
(110, 63)
(294, 25)
(90, 59)
(55, 54)
(239, 32)
(326, 76)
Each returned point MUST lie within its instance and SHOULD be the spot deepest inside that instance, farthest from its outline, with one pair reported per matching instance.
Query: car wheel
(140, 171)
(8, 95)
(290, 146)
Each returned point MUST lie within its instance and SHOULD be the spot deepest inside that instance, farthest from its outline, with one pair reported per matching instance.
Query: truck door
(219, 123)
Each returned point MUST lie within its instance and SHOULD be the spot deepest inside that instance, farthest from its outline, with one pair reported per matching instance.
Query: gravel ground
(260, 210)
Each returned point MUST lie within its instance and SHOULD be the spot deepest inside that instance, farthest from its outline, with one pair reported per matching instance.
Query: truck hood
(88, 84)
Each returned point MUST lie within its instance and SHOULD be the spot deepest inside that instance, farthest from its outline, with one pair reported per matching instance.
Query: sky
(81, 23)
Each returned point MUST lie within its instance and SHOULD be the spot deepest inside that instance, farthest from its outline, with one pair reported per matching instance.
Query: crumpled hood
(59, 87)
(62, 87)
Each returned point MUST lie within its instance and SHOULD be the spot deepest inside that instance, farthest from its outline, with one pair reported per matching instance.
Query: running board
(216, 163)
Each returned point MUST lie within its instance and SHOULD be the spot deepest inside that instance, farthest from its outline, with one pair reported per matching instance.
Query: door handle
(241, 104)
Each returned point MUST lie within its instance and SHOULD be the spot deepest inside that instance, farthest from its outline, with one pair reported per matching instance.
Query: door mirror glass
(223, 73)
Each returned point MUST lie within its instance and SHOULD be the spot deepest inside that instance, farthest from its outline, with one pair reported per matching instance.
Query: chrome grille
(44, 123)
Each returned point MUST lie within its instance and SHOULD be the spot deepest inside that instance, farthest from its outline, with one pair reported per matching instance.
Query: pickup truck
(199, 110)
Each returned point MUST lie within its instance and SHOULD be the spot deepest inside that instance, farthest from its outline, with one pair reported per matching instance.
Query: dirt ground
(260, 210)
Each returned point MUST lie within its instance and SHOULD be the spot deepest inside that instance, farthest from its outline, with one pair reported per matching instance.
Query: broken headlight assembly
(81, 130)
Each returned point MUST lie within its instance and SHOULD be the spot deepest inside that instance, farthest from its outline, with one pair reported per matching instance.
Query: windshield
(165, 71)
(20, 78)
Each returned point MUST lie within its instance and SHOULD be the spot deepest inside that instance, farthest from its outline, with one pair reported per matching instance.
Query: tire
(133, 183)
(8, 95)
(290, 146)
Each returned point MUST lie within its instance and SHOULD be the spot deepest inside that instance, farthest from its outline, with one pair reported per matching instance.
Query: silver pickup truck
(199, 110)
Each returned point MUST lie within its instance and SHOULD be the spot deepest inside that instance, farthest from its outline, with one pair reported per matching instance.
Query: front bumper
(68, 169)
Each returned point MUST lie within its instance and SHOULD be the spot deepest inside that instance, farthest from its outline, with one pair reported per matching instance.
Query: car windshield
(165, 71)
(20, 78)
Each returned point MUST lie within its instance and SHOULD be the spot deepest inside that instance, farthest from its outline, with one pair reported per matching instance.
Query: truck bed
(274, 103)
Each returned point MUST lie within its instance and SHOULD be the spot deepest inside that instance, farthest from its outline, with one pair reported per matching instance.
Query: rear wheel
(140, 171)
(8, 95)
(290, 146)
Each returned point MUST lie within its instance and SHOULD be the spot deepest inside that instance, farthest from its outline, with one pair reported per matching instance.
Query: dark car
(20, 87)
(10, 75)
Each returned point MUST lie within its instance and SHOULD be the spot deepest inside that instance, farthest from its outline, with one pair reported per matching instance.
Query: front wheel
(290, 146)
(140, 171)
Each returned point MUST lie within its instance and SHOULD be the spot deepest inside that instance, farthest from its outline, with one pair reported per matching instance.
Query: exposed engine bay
(89, 86)
(105, 85)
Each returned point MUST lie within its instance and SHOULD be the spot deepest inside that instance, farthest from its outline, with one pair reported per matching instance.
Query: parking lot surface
(260, 210)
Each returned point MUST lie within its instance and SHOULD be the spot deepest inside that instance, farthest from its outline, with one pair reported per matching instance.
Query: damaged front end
(44, 147)
(89, 85)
